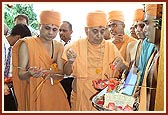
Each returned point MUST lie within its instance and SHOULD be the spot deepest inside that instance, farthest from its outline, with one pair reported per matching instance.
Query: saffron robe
(52, 97)
(123, 45)
(84, 70)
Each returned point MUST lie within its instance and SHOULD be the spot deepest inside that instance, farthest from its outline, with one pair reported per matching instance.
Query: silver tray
(101, 108)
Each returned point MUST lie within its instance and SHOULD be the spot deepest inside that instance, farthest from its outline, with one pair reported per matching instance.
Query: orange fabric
(52, 97)
(123, 45)
(138, 15)
(85, 72)
(50, 17)
(97, 18)
(151, 9)
(116, 15)
(161, 84)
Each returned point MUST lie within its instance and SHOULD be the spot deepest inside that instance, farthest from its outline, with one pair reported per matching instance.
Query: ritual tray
(121, 99)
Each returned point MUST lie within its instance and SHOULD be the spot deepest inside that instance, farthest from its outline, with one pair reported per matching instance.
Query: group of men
(37, 74)
(65, 31)
(20, 30)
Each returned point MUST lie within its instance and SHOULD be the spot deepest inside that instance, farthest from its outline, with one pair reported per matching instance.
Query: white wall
(75, 12)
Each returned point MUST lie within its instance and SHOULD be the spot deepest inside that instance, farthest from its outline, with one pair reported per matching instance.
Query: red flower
(128, 108)
(111, 106)
(119, 108)
(100, 84)
(112, 66)
(100, 102)
(111, 87)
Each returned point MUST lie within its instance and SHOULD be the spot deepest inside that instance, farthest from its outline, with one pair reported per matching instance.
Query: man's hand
(71, 55)
(118, 38)
(6, 89)
(117, 63)
(36, 72)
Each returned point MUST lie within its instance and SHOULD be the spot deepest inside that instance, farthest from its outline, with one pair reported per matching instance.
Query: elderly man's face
(116, 27)
(48, 31)
(95, 34)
